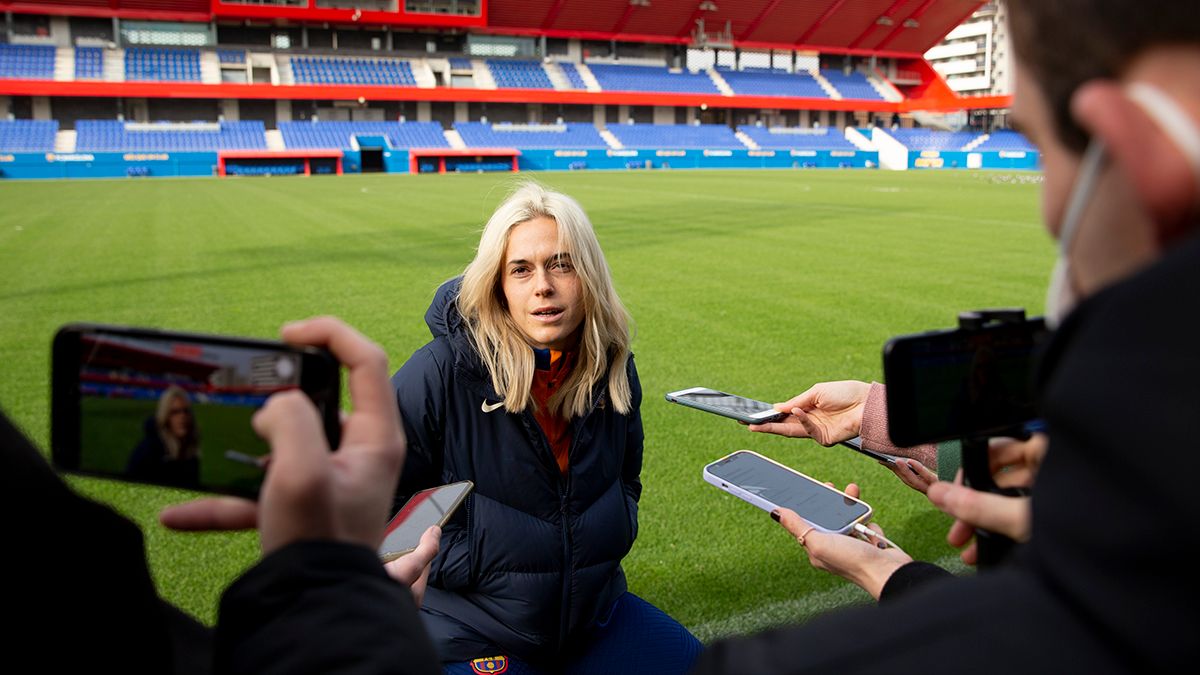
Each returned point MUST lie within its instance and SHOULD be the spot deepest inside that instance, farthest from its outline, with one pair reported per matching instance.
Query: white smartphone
(735, 407)
(422, 511)
(769, 485)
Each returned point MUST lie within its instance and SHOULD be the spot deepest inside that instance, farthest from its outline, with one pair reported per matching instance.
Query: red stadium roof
(887, 27)
(905, 26)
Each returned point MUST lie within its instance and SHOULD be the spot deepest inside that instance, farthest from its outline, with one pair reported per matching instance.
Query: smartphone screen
(174, 409)
(782, 487)
(422, 511)
(954, 383)
(738, 407)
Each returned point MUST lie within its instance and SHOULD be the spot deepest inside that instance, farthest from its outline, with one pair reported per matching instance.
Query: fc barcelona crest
(491, 664)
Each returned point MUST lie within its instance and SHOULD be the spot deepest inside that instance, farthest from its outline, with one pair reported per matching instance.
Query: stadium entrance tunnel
(371, 160)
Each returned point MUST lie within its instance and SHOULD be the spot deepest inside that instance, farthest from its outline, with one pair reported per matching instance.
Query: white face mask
(1061, 297)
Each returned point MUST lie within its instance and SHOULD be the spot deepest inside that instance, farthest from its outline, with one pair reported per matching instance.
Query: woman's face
(179, 417)
(543, 292)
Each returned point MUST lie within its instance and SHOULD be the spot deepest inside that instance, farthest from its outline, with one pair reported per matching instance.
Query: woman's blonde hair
(177, 448)
(604, 334)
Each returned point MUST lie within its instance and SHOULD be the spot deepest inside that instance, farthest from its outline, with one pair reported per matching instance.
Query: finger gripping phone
(735, 407)
(769, 485)
(174, 409)
(421, 512)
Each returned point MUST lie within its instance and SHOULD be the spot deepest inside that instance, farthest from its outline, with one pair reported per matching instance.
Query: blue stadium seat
(337, 135)
(1006, 141)
(802, 138)
(853, 86)
(116, 136)
(327, 70)
(27, 62)
(677, 136)
(649, 78)
(89, 63)
(153, 63)
(572, 74)
(519, 74)
(536, 136)
(756, 82)
(27, 135)
(929, 139)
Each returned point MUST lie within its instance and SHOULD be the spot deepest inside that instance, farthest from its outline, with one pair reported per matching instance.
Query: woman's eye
(562, 266)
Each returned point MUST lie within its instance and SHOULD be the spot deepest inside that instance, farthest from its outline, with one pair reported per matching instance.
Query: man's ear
(1161, 175)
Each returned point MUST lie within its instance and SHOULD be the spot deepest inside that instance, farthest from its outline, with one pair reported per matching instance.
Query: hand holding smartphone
(770, 485)
(421, 512)
(174, 409)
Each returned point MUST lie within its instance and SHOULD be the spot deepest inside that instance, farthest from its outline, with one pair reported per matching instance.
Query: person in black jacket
(528, 388)
(318, 602)
(1107, 90)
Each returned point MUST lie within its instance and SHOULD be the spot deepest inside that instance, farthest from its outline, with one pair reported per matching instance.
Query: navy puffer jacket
(534, 557)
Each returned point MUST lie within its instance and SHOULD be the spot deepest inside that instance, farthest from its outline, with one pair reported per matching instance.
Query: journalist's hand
(862, 563)
(310, 493)
(829, 412)
(412, 569)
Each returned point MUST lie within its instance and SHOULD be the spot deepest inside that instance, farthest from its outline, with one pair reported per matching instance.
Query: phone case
(768, 506)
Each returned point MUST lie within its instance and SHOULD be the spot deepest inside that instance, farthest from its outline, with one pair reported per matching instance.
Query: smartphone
(856, 445)
(727, 405)
(950, 384)
(769, 485)
(174, 409)
(422, 511)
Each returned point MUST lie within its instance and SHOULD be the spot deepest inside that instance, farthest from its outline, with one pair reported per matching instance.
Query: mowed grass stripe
(759, 282)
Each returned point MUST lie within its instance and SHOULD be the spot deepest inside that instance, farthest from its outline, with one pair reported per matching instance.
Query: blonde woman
(169, 452)
(528, 388)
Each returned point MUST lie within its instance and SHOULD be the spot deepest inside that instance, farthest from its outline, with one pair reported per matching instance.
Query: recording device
(174, 409)
(973, 381)
(739, 408)
(769, 485)
(421, 512)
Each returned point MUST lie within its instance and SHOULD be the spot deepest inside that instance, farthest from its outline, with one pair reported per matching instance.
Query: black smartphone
(174, 409)
(732, 406)
(769, 485)
(422, 511)
(950, 384)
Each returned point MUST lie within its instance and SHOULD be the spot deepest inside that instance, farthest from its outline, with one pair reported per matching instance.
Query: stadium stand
(459, 63)
(329, 70)
(677, 136)
(152, 63)
(27, 135)
(570, 135)
(337, 135)
(802, 138)
(27, 62)
(89, 63)
(232, 56)
(572, 74)
(854, 85)
(650, 78)
(928, 139)
(116, 136)
(1006, 141)
(764, 82)
(519, 74)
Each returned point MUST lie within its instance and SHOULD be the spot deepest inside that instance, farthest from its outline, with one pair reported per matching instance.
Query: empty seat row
(324, 70)
(650, 78)
(152, 63)
(27, 135)
(519, 74)
(802, 138)
(116, 136)
(27, 62)
(337, 135)
(548, 136)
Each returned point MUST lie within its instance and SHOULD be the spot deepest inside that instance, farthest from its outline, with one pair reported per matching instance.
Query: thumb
(806, 400)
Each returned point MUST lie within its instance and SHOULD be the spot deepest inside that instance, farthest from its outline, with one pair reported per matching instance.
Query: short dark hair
(1063, 43)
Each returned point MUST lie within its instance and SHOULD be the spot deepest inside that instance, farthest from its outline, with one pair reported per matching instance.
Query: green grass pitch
(755, 282)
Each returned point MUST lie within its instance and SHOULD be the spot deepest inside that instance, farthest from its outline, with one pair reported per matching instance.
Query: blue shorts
(636, 637)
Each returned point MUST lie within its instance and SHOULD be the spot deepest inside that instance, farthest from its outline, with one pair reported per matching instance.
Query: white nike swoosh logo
(489, 408)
